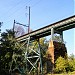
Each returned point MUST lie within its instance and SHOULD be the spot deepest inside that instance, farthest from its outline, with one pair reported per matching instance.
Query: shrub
(60, 65)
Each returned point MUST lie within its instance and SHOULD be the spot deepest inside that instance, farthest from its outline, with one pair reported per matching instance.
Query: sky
(42, 13)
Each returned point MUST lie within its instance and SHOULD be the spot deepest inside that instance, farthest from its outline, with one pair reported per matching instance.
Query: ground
(71, 73)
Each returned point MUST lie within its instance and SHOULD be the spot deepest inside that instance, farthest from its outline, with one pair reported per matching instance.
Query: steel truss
(32, 56)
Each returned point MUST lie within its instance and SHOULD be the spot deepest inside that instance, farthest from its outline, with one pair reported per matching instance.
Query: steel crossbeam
(31, 59)
(34, 65)
(57, 27)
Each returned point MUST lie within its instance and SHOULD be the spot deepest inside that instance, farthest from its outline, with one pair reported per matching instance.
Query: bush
(60, 65)
(71, 63)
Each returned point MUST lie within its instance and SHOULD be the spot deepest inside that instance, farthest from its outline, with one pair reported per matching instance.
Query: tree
(63, 65)
(57, 38)
(10, 51)
(60, 65)
(71, 63)
(19, 31)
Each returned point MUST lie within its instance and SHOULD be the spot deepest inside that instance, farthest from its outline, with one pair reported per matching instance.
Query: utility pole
(29, 21)
(28, 25)
(0, 29)
(0, 26)
(13, 29)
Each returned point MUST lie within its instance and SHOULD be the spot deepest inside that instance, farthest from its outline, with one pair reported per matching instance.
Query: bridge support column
(52, 33)
(50, 58)
(61, 36)
(50, 54)
(40, 59)
(55, 50)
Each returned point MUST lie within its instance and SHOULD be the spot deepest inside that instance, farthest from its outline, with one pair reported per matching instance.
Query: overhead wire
(7, 21)
(10, 9)
(22, 7)
(36, 3)
(18, 9)
(32, 6)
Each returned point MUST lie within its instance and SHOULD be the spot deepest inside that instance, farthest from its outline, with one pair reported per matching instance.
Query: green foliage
(71, 63)
(12, 54)
(42, 42)
(60, 65)
(10, 51)
(57, 38)
(63, 65)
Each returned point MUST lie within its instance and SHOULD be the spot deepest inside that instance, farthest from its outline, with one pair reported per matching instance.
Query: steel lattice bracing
(57, 27)
(33, 56)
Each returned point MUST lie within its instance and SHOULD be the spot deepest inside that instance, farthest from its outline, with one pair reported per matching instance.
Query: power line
(27, 25)
(0, 30)
(18, 9)
(36, 3)
(13, 14)
(13, 7)
(22, 7)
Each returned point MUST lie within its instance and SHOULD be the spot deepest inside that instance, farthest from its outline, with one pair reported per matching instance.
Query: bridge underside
(51, 29)
(58, 27)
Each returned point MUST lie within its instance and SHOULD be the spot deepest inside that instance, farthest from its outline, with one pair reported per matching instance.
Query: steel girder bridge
(51, 29)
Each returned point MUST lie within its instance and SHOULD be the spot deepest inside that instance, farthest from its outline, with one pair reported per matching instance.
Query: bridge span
(58, 27)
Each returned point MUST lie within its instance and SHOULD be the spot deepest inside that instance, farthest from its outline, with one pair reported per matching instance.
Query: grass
(70, 73)
(61, 74)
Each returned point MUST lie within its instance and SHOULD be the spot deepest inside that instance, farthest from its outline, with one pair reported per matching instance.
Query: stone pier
(55, 50)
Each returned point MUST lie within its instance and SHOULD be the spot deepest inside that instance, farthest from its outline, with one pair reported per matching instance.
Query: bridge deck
(59, 26)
